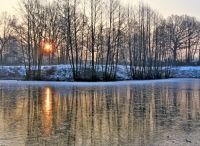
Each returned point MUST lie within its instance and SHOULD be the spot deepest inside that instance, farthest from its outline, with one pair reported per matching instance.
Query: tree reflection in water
(130, 115)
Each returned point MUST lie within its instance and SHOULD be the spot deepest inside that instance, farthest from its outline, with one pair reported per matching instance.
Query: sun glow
(48, 102)
(47, 111)
(48, 47)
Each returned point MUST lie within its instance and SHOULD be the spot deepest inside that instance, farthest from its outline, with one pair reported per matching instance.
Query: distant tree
(5, 33)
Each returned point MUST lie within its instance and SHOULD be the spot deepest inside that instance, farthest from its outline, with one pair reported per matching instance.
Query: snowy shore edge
(64, 72)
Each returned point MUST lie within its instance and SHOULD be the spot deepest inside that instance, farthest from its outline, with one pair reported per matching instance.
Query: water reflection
(47, 111)
(130, 115)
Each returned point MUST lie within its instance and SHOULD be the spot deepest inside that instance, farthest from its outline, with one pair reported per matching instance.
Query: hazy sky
(165, 7)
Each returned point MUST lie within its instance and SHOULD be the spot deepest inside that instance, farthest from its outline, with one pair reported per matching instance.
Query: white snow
(189, 68)
(64, 72)
(186, 72)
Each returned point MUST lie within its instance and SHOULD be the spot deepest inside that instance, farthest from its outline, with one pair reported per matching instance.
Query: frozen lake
(132, 113)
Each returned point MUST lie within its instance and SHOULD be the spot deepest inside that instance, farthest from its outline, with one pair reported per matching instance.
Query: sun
(47, 47)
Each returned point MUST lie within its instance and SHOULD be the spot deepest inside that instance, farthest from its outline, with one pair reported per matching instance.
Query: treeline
(96, 36)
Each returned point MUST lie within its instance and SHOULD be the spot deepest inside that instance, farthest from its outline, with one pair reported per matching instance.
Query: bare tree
(5, 33)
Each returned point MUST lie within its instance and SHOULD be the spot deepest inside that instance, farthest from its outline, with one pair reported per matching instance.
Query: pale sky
(165, 7)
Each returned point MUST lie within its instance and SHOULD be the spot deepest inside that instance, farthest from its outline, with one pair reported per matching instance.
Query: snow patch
(64, 72)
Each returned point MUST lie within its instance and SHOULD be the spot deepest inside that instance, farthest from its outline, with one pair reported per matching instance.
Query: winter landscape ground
(64, 72)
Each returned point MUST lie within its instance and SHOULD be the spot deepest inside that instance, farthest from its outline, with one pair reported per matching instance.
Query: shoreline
(64, 73)
(93, 84)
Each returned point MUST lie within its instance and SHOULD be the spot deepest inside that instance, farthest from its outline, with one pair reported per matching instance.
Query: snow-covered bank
(64, 72)
(186, 72)
(51, 73)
